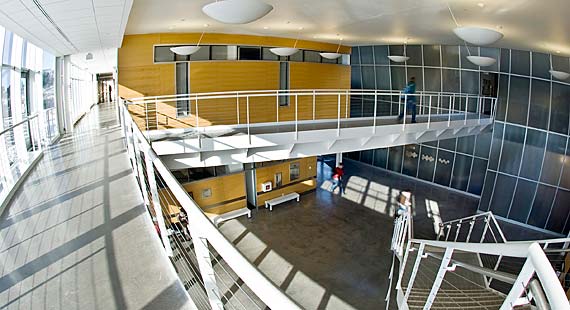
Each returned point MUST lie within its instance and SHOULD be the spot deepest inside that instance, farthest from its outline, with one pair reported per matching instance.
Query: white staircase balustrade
(473, 266)
(243, 127)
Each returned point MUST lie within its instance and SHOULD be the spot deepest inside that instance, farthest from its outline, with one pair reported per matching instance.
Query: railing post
(466, 105)
(479, 108)
(421, 105)
(375, 111)
(296, 118)
(198, 124)
(237, 106)
(399, 103)
(346, 105)
(156, 203)
(140, 170)
(439, 277)
(451, 108)
(471, 225)
(405, 111)
(458, 229)
(156, 112)
(248, 132)
(276, 106)
(429, 112)
(414, 271)
(338, 117)
(314, 102)
(205, 265)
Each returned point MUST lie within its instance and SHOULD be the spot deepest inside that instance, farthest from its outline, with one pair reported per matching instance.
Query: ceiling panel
(71, 26)
(527, 24)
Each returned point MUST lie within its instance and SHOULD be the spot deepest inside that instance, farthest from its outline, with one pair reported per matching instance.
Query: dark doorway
(489, 87)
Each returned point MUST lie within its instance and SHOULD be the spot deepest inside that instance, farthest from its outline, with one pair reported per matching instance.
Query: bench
(275, 201)
(220, 218)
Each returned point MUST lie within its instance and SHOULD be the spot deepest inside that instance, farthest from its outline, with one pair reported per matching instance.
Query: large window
(48, 80)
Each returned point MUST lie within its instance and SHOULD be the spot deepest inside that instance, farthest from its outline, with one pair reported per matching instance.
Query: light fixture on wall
(186, 50)
(89, 56)
(237, 11)
(333, 55)
(400, 58)
(287, 51)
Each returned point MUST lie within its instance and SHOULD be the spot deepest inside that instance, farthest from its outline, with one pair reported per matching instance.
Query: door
(489, 87)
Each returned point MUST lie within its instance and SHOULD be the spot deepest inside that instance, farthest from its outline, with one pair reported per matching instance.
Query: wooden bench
(275, 201)
(220, 218)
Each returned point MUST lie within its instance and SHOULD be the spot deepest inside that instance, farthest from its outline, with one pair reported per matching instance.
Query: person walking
(337, 178)
(410, 90)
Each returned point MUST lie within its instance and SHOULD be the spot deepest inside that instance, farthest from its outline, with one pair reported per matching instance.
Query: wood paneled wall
(227, 194)
(307, 180)
(139, 76)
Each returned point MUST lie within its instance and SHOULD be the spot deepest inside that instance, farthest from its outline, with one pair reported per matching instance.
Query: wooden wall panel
(308, 174)
(224, 188)
(139, 76)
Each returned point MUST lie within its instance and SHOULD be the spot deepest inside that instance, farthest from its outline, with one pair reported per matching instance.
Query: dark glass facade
(521, 167)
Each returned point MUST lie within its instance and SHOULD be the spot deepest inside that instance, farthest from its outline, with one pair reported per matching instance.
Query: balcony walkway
(77, 234)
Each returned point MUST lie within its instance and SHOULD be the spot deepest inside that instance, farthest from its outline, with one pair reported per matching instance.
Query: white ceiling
(527, 24)
(76, 26)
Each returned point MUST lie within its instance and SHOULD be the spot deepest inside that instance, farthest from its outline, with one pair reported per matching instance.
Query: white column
(205, 265)
(338, 159)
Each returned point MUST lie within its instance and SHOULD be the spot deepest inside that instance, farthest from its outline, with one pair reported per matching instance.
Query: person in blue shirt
(411, 103)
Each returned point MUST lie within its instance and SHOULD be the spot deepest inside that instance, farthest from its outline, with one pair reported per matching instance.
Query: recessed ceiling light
(206, 25)
(481, 4)
(557, 52)
(265, 27)
(170, 27)
(301, 28)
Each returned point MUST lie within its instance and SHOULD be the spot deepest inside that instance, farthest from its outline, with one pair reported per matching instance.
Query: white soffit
(527, 25)
(66, 27)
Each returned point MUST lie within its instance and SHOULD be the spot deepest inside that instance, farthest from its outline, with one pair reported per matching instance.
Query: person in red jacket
(337, 178)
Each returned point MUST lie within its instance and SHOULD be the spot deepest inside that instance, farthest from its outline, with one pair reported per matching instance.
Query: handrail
(505, 249)
(266, 290)
(27, 119)
(298, 92)
(487, 216)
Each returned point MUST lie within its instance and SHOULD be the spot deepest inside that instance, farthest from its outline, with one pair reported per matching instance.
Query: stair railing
(479, 228)
(536, 266)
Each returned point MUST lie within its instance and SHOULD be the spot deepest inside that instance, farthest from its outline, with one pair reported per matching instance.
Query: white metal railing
(21, 141)
(208, 245)
(441, 273)
(245, 108)
(480, 228)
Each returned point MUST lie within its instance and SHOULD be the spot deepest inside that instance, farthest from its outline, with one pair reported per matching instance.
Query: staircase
(473, 266)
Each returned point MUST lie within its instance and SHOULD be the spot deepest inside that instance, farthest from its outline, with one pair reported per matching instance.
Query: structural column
(338, 159)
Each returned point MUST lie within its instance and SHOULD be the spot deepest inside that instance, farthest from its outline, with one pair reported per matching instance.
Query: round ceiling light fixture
(477, 35)
(185, 50)
(560, 75)
(284, 51)
(237, 11)
(335, 55)
(482, 61)
(400, 58)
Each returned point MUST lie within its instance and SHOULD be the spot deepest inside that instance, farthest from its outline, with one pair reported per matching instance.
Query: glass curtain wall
(26, 104)
(83, 92)
(520, 168)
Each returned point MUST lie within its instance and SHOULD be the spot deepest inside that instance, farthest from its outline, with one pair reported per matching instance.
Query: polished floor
(76, 234)
(333, 252)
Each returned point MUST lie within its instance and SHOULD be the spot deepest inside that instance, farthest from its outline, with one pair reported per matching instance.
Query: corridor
(77, 236)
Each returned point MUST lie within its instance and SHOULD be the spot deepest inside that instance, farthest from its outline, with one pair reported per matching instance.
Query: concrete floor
(77, 235)
(331, 251)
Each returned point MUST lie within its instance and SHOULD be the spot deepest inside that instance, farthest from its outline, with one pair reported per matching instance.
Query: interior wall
(307, 180)
(521, 169)
(138, 76)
